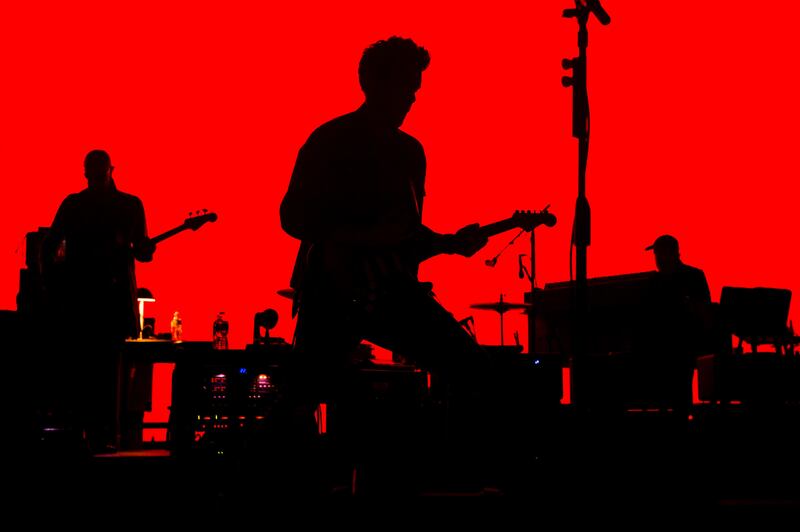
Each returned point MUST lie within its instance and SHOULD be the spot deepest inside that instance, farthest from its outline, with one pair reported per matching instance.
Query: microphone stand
(530, 297)
(581, 231)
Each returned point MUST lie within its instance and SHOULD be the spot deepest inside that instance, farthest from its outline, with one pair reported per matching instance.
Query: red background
(694, 113)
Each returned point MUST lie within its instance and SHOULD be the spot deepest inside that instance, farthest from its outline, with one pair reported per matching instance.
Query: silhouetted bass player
(95, 238)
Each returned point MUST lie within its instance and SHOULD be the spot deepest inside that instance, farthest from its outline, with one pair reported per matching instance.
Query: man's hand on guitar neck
(143, 251)
(466, 241)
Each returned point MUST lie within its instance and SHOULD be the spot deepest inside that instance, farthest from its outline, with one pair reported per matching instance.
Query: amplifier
(235, 396)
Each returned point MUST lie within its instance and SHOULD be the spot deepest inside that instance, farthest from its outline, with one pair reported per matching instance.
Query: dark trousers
(408, 321)
(413, 323)
(80, 385)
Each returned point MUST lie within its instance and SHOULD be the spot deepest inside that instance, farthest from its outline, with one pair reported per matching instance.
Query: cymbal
(286, 292)
(501, 306)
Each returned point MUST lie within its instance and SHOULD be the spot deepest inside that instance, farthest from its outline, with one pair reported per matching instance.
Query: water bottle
(176, 327)
(220, 340)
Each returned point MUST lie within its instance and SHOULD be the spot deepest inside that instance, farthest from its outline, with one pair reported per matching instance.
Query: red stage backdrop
(694, 116)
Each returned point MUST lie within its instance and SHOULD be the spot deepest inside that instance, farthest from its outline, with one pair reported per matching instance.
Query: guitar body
(363, 276)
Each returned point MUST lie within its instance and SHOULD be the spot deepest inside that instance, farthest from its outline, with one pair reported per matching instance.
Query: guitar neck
(496, 228)
(192, 222)
(166, 234)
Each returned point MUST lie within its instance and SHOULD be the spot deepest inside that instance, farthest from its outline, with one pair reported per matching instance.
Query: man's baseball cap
(664, 242)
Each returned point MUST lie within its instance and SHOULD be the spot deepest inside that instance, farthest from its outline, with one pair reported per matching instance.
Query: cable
(491, 262)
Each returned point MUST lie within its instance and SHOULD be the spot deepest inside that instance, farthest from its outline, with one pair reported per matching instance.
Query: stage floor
(726, 462)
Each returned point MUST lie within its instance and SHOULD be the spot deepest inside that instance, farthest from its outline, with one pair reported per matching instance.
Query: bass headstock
(199, 218)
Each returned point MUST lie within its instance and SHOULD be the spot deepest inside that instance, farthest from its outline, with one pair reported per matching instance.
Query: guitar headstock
(528, 220)
(196, 220)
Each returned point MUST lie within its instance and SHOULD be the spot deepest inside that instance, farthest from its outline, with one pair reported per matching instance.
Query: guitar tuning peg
(190, 214)
(205, 211)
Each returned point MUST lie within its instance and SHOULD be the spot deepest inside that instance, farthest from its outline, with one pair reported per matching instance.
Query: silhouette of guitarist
(355, 201)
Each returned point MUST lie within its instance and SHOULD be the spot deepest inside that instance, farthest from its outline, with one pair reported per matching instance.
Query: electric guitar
(365, 276)
(193, 222)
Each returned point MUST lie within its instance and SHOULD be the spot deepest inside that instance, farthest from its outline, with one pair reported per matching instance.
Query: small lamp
(143, 295)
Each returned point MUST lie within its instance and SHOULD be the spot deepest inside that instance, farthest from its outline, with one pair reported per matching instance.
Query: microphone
(491, 262)
(600, 14)
(521, 271)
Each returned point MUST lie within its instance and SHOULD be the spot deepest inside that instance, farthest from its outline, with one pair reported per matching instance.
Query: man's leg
(319, 373)
(464, 383)
(99, 369)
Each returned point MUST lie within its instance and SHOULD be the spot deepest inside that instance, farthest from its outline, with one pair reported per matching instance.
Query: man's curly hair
(387, 58)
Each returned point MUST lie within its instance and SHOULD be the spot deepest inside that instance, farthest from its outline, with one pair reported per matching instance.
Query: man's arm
(303, 209)
(143, 247)
(466, 242)
(703, 315)
(55, 235)
(703, 290)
